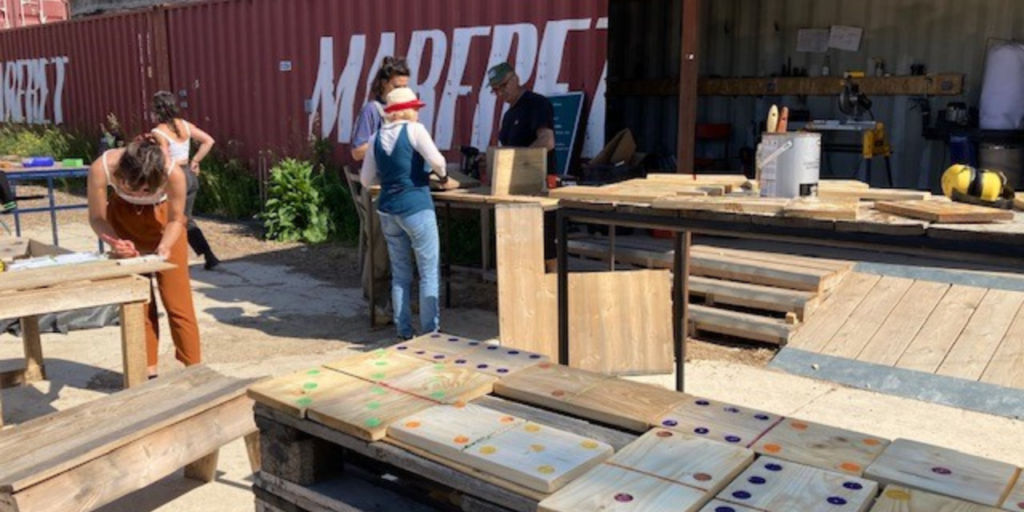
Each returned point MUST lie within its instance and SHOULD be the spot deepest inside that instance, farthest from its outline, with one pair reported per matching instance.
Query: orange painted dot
(798, 425)
(702, 477)
(544, 366)
(537, 448)
(545, 470)
(872, 442)
(558, 393)
(532, 428)
(459, 405)
(488, 450)
(461, 440)
(850, 466)
(664, 433)
(589, 445)
(507, 419)
(897, 495)
(772, 448)
(412, 424)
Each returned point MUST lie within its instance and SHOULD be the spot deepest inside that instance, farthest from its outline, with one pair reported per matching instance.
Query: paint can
(789, 164)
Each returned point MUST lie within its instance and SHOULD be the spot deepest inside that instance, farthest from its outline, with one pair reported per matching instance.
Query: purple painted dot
(732, 439)
(757, 480)
(502, 370)
(941, 471)
(460, 361)
(513, 352)
(439, 356)
(420, 352)
(703, 403)
(474, 343)
(534, 356)
(670, 423)
(724, 509)
(453, 339)
(481, 366)
(403, 347)
(741, 495)
(701, 430)
(836, 500)
(762, 417)
(623, 497)
(492, 347)
(435, 335)
(773, 467)
(853, 486)
(732, 410)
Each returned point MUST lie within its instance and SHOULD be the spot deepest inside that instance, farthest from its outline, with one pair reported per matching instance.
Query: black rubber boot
(199, 244)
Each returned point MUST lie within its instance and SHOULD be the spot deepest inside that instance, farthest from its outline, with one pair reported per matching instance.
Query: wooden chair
(355, 187)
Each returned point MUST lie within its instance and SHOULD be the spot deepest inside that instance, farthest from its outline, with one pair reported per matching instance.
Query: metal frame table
(49, 174)
(1007, 245)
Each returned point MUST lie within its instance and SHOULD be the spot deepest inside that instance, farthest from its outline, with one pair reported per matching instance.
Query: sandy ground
(275, 308)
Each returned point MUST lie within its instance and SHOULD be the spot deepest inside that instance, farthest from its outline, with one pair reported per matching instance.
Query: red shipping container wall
(26, 13)
(270, 74)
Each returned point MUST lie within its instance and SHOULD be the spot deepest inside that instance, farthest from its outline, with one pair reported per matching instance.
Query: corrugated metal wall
(78, 73)
(27, 13)
(755, 37)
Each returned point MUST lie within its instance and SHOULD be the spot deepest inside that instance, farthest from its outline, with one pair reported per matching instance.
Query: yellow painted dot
(537, 447)
(545, 470)
(897, 495)
(488, 450)
(589, 445)
(531, 428)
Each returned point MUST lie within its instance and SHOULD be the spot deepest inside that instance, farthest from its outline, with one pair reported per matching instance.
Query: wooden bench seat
(84, 457)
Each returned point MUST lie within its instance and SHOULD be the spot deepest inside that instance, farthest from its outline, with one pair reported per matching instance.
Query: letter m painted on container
(334, 103)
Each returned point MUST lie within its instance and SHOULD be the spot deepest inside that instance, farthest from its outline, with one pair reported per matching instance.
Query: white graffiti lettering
(26, 90)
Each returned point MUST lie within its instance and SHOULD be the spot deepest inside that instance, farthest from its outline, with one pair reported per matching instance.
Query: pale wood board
(294, 393)
(1018, 201)
(517, 171)
(726, 506)
(842, 184)
(434, 352)
(684, 459)
(448, 431)
(821, 446)
(943, 471)
(830, 316)
(498, 360)
(71, 296)
(872, 194)
(139, 463)
(944, 212)
(377, 366)
(364, 409)
(728, 204)
(1007, 365)
(731, 181)
(526, 312)
(536, 456)
(622, 403)
(613, 488)
(870, 220)
(47, 446)
(981, 337)
(814, 208)
(904, 499)
(743, 325)
(903, 324)
(93, 271)
(548, 385)
(938, 334)
(784, 486)
(13, 248)
(608, 194)
(768, 298)
(868, 317)
(760, 272)
(1004, 233)
(443, 342)
(1015, 500)
(445, 383)
(721, 422)
(814, 262)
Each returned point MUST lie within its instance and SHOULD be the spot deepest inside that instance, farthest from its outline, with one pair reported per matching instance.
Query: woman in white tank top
(175, 135)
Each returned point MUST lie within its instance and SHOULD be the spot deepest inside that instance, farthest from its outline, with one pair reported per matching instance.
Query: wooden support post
(252, 446)
(688, 71)
(296, 456)
(204, 469)
(370, 236)
(485, 239)
(133, 343)
(34, 368)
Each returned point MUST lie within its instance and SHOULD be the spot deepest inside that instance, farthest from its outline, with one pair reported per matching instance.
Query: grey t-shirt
(369, 121)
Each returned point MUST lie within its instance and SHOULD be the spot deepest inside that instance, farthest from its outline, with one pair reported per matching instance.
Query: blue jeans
(416, 233)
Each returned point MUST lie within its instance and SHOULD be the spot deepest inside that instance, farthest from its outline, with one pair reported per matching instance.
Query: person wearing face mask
(393, 73)
(145, 214)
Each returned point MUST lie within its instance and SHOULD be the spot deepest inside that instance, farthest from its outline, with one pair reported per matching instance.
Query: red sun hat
(402, 98)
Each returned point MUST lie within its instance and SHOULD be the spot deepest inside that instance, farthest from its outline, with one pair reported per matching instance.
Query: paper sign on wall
(845, 38)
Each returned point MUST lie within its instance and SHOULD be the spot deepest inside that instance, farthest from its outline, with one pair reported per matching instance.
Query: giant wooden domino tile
(365, 410)
(725, 506)
(719, 421)
(612, 488)
(775, 485)
(436, 350)
(444, 383)
(903, 499)
(1015, 501)
(498, 360)
(293, 394)
(378, 366)
(447, 430)
(548, 385)
(821, 446)
(624, 403)
(684, 459)
(943, 471)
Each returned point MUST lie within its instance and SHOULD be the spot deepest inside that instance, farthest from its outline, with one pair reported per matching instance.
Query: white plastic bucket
(789, 164)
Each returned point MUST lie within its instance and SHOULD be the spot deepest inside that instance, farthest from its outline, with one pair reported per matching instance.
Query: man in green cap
(530, 119)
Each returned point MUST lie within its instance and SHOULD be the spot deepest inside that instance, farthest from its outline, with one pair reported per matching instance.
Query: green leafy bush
(295, 209)
(25, 141)
(227, 188)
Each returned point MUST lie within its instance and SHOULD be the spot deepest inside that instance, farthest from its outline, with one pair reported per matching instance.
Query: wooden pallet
(775, 485)
(733, 293)
(944, 212)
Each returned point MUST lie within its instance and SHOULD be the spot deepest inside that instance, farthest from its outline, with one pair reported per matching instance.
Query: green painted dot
(310, 385)
(440, 367)
(304, 401)
(313, 372)
(380, 352)
(373, 406)
(437, 395)
(378, 375)
(377, 390)
(380, 363)
(373, 422)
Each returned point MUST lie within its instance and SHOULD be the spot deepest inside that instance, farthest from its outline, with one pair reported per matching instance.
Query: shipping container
(27, 13)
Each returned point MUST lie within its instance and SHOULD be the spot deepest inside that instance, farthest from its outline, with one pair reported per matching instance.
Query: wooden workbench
(29, 294)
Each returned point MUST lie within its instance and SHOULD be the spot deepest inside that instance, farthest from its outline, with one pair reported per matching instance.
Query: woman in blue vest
(401, 156)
